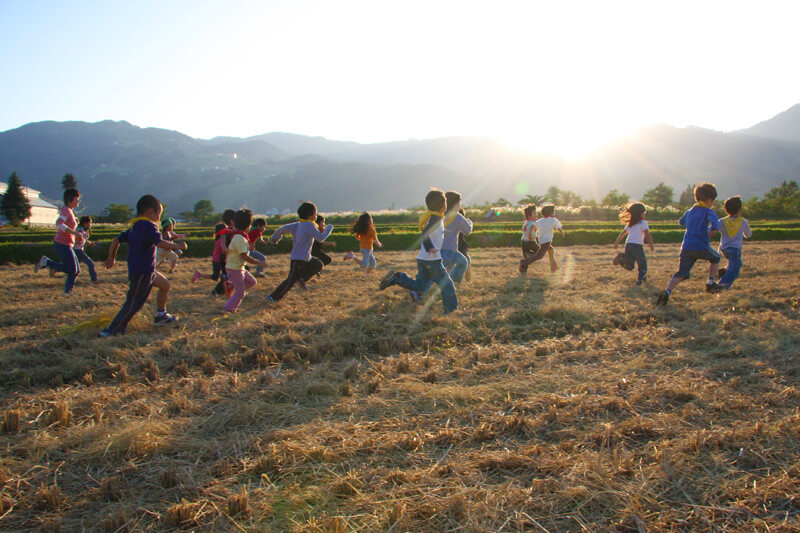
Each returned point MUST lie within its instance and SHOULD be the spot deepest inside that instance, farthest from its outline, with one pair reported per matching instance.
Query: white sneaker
(41, 264)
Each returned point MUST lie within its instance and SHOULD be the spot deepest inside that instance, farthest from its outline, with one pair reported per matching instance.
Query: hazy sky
(551, 75)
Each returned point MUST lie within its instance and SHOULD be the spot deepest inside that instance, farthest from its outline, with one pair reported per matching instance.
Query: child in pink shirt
(64, 241)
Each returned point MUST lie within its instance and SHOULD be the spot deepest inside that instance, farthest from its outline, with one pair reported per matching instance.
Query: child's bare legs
(172, 258)
(467, 274)
(673, 282)
(713, 269)
(552, 255)
(162, 284)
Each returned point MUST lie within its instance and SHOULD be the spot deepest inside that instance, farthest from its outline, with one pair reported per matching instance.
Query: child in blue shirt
(701, 224)
(143, 238)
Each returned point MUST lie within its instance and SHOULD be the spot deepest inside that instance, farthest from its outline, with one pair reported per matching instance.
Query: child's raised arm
(166, 245)
(620, 236)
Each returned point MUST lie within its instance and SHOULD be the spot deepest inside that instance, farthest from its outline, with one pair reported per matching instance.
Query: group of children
(443, 258)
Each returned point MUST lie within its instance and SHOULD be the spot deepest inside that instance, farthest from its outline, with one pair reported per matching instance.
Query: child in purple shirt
(143, 238)
(302, 266)
(701, 224)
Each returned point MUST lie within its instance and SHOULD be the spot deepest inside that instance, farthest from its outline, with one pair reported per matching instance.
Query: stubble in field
(562, 402)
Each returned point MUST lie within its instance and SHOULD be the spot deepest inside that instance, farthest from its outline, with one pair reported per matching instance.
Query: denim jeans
(68, 265)
(634, 254)
(428, 271)
(734, 257)
(368, 259)
(452, 258)
(261, 257)
(83, 257)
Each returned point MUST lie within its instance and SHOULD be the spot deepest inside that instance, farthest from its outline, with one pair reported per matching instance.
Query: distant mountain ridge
(115, 161)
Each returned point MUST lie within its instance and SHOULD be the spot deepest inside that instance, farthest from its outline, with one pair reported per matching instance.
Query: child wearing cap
(168, 235)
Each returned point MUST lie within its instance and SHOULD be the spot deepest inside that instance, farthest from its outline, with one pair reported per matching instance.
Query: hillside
(118, 162)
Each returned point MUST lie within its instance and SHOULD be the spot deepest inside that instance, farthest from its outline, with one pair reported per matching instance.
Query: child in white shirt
(545, 228)
(633, 216)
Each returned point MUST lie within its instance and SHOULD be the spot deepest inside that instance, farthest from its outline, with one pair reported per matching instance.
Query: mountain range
(115, 161)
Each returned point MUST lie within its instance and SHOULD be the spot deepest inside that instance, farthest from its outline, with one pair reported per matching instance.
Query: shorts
(689, 257)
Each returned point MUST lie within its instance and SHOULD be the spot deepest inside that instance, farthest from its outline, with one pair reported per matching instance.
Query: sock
(161, 312)
(668, 291)
(710, 281)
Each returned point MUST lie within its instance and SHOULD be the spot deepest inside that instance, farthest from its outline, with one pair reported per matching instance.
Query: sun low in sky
(560, 77)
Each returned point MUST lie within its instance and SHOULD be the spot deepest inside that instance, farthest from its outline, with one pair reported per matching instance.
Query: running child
(224, 286)
(316, 247)
(254, 236)
(429, 258)
(733, 230)
(168, 234)
(239, 253)
(463, 248)
(701, 224)
(528, 242)
(364, 230)
(217, 259)
(82, 234)
(63, 242)
(304, 232)
(545, 228)
(638, 232)
(143, 238)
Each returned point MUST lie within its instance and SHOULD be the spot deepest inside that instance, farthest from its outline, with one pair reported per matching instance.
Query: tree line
(780, 202)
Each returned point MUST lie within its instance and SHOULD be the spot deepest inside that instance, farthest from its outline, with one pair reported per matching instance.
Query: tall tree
(658, 196)
(118, 213)
(615, 198)
(553, 195)
(535, 199)
(686, 198)
(14, 205)
(203, 211)
(69, 182)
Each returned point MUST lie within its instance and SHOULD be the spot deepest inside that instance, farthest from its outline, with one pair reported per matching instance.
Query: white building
(43, 213)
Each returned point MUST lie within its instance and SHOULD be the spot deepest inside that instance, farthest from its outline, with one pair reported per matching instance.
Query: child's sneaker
(196, 276)
(619, 259)
(415, 297)
(721, 272)
(104, 333)
(165, 319)
(522, 266)
(714, 287)
(41, 264)
(271, 299)
(387, 280)
(663, 298)
(640, 282)
(348, 255)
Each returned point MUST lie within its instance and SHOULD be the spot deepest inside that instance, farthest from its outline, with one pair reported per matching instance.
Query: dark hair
(217, 229)
(632, 213)
(452, 198)
(227, 216)
(148, 201)
(242, 219)
(435, 200)
(529, 210)
(320, 219)
(461, 211)
(259, 222)
(733, 205)
(362, 225)
(84, 219)
(705, 192)
(306, 209)
(70, 194)
(548, 210)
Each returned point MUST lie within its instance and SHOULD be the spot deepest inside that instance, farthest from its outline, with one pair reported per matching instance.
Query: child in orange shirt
(364, 230)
